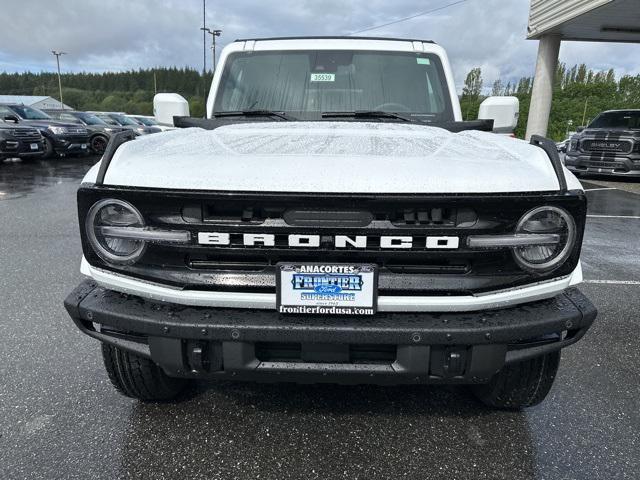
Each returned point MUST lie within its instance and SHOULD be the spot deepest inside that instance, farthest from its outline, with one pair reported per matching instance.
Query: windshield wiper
(370, 114)
(255, 113)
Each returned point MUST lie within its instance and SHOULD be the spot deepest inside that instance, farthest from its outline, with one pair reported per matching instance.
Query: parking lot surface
(60, 417)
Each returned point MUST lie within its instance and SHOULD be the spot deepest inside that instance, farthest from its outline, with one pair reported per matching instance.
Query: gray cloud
(128, 34)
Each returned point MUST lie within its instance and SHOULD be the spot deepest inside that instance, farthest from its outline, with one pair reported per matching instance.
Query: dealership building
(35, 101)
(554, 21)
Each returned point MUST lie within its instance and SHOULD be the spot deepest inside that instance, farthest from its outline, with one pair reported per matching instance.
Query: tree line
(130, 91)
(579, 93)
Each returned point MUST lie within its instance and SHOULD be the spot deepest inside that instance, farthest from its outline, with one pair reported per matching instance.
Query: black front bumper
(624, 166)
(71, 143)
(21, 148)
(388, 348)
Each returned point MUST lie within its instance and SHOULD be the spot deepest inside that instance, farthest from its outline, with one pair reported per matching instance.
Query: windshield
(146, 121)
(623, 120)
(90, 118)
(28, 113)
(122, 120)
(308, 83)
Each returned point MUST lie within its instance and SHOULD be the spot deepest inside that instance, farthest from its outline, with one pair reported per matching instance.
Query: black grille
(77, 131)
(246, 213)
(416, 271)
(607, 145)
(26, 133)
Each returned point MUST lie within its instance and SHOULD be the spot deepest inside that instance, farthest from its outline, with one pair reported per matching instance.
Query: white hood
(332, 157)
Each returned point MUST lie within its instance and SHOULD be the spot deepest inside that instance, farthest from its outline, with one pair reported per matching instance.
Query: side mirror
(169, 105)
(504, 112)
(580, 129)
(11, 118)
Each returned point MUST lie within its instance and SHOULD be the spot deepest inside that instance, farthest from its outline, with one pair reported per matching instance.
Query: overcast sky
(128, 34)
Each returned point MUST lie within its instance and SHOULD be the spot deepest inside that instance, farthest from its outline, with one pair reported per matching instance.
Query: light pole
(58, 54)
(204, 54)
(214, 34)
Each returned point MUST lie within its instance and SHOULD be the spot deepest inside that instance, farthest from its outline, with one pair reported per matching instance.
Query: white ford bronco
(332, 219)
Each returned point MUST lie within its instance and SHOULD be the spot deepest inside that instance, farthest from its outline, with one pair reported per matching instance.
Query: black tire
(49, 151)
(519, 385)
(139, 377)
(98, 144)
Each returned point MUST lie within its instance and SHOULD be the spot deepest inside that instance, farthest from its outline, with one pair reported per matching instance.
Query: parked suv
(149, 122)
(60, 138)
(610, 145)
(99, 131)
(332, 220)
(120, 119)
(20, 142)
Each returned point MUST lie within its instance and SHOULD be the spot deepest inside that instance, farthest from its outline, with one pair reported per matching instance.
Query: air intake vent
(328, 218)
(436, 217)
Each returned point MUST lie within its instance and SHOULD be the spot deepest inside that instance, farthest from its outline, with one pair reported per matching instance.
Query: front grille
(77, 131)
(236, 212)
(607, 146)
(26, 133)
(415, 271)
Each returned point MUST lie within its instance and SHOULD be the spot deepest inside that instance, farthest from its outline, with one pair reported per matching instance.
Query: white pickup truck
(332, 219)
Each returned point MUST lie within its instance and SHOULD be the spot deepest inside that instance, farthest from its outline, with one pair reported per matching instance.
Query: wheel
(98, 144)
(140, 378)
(49, 152)
(520, 384)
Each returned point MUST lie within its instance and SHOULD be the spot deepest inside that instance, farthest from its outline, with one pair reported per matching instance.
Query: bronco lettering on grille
(339, 241)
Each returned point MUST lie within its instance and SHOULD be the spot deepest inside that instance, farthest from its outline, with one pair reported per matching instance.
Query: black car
(20, 142)
(610, 145)
(60, 138)
(119, 119)
(99, 131)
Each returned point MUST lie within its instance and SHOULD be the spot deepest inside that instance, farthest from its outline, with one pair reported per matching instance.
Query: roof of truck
(336, 37)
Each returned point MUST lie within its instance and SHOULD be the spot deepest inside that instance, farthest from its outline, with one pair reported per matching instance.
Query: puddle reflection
(19, 178)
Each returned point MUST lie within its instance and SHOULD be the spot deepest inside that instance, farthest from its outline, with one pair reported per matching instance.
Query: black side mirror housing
(11, 118)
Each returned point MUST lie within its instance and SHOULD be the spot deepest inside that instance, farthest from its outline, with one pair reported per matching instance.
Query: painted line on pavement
(614, 282)
(613, 216)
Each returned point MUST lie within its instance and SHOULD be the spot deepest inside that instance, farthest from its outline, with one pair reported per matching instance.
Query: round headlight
(114, 213)
(550, 221)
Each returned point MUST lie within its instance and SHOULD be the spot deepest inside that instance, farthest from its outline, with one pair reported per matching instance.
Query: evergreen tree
(498, 89)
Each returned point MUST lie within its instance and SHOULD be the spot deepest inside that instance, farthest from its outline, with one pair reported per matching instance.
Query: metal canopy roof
(586, 20)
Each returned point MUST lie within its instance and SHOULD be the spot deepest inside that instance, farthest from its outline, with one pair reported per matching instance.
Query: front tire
(521, 384)
(49, 151)
(138, 377)
(99, 144)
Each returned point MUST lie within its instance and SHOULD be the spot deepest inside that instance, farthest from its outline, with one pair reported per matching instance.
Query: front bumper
(71, 143)
(21, 148)
(603, 165)
(388, 348)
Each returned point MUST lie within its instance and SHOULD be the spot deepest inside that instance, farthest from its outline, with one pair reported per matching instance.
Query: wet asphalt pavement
(60, 417)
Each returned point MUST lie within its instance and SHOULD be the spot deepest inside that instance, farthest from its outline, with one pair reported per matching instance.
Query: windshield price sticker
(327, 289)
(323, 77)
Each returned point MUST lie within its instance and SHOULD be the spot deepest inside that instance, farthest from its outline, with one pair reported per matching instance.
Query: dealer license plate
(34, 146)
(327, 288)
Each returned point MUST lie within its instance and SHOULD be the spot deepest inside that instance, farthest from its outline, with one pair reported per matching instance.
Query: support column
(542, 92)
